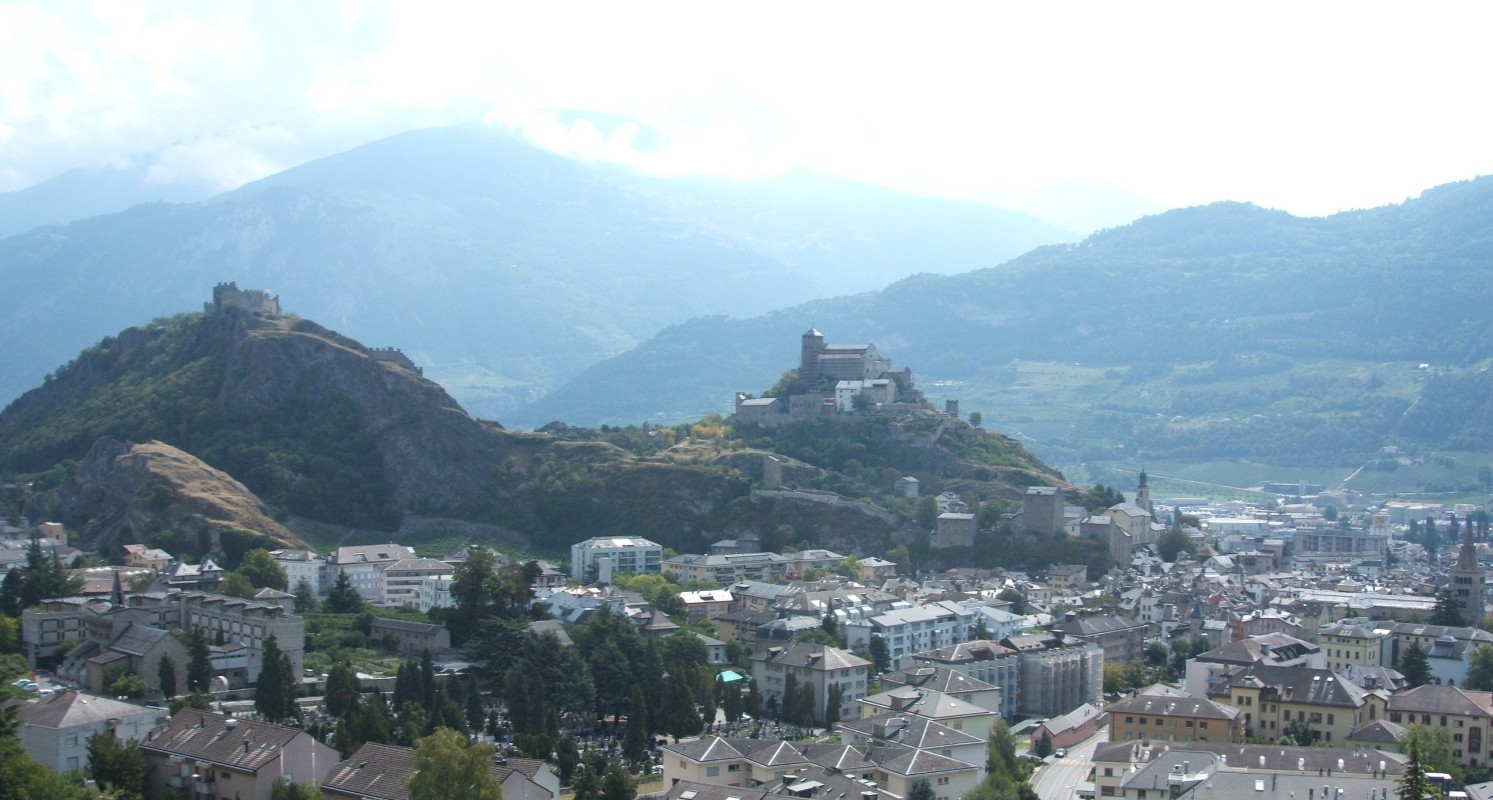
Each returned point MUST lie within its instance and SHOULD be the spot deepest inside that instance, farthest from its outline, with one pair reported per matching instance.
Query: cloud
(1310, 108)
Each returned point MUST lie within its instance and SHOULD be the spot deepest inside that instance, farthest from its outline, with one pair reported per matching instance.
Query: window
(712, 772)
(943, 781)
(733, 768)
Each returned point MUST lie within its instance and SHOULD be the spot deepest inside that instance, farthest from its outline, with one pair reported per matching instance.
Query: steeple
(116, 595)
(1467, 579)
(1143, 494)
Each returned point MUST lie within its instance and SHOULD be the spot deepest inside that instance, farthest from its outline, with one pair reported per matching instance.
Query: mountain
(88, 192)
(1226, 331)
(229, 420)
(501, 269)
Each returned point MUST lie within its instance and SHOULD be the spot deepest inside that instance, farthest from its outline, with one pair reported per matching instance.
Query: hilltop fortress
(255, 301)
(833, 380)
(227, 296)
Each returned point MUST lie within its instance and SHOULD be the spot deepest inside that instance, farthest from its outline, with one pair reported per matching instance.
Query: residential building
(210, 755)
(600, 558)
(1274, 699)
(944, 709)
(914, 630)
(916, 732)
(1274, 649)
(302, 565)
(399, 582)
(706, 605)
(1162, 714)
(1350, 644)
(953, 529)
(1467, 715)
(1057, 675)
(362, 565)
(435, 592)
(817, 665)
(1121, 640)
(801, 769)
(138, 555)
(1212, 770)
(950, 682)
(55, 730)
(984, 660)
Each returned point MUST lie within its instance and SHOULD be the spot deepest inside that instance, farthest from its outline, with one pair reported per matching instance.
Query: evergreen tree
(305, 597)
(427, 679)
(635, 742)
(832, 700)
(1448, 609)
(275, 693)
(806, 705)
(921, 790)
(586, 786)
(166, 676)
(12, 593)
(788, 705)
(199, 662)
(474, 710)
(881, 657)
(1412, 783)
(567, 758)
(678, 718)
(343, 598)
(342, 689)
(1415, 665)
(1480, 671)
(731, 701)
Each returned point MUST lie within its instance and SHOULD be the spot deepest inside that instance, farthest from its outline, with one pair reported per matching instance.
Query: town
(1309, 642)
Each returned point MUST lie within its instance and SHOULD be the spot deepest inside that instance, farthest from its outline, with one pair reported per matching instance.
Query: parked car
(1061, 752)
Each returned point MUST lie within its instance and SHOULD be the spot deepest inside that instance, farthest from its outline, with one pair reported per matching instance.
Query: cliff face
(120, 493)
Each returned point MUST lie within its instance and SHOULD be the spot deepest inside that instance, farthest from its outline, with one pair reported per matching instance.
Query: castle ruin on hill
(255, 301)
(227, 296)
(833, 381)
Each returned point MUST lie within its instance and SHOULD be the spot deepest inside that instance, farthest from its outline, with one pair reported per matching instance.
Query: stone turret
(808, 357)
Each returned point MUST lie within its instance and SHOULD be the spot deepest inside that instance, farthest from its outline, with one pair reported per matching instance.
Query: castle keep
(832, 379)
(255, 301)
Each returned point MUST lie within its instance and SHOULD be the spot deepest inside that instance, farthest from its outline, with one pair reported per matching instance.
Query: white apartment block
(399, 582)
(362, 565)
(915, 630)
(595, 559)
(302, 565)
(435, 592)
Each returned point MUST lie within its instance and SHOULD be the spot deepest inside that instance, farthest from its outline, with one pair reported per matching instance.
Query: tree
(342, 689)
(1437, 751)
(448, 768)
(1448, 609)
(731, 702)
(976, 418)
(1480, 671)
(120, 682)
(926, 514)
(881, 656)
(275, 693)
(1415, 665)
(635, 742)
(234, 584)
(833, 698)
(616, 784)
(166, 676)
(1412, 783)
(263, 571)
(343, 598)
(586, 785)
(1174, 542)
(567, 758)
(305, 597)
(1015, 598)
(1044, 745)
(921, 789)
(117, 765)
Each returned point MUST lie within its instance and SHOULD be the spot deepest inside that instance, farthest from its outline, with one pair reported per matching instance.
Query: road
(1059, 778)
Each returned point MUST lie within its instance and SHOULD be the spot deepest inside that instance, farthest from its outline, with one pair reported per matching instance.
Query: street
(1059, 779)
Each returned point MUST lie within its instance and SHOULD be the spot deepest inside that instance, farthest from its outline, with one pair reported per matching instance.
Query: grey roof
(910, 730)
(1170, 706)
(403, 625)
(816, 656)
(67, 708)
(1437, 699)
(240, 743)
(1380, 731)
(137, 639)
(1304, 685)
(938, 679)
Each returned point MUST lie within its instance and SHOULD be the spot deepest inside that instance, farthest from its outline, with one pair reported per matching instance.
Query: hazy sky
(1311, 107)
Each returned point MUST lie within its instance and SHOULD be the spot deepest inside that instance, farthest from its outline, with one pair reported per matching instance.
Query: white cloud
(1311, 107)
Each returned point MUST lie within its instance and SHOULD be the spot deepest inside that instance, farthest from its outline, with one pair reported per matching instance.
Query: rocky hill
(320, 430)
(122, 493)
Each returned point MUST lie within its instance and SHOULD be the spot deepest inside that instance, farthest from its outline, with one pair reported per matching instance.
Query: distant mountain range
(1223, 331)
(501, 269)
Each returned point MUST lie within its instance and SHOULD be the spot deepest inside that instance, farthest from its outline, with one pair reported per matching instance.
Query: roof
(814, 656)
(378, 772)
(1172, 706)
(1439, 699)
(239, 743)
(913, 731)
(137, 640)
(1304, 685)
(428, 628)
(66, 709)
(938, 679)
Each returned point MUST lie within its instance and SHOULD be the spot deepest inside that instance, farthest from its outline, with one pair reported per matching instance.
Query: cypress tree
(199, 662)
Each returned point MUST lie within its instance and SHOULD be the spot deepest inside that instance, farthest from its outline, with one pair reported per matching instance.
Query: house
(707, 604)
(801, 770)
(399, 582)
(1467, 715)
(817, 665)
(210, 755)
(379, 772)
(138, 555)
(1274, 649)
(919, 733)
(944, 709)
(1275, 699)
(1067, 730)
(953, 529)
(1160, 713)
(362, 565)
(1213, 770)
(55, 730)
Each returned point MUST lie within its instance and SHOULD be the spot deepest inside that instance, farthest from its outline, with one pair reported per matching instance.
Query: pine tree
(1415, 666)
(833, 698)
(616, 784)
(166, 676)
(199, 663)
(1412, 783)
(635, 742)
(343, 598)
(788, 706)
(274, 694)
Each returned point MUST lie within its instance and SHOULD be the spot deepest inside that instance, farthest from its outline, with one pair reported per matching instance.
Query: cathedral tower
(1467, 580)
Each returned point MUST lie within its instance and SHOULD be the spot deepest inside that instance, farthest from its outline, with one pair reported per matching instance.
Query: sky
(1085, 113)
